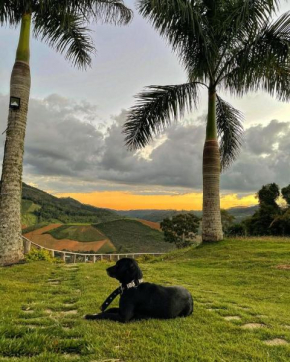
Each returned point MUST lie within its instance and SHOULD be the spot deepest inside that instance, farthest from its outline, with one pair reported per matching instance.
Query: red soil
(48, 241)
(151, 224)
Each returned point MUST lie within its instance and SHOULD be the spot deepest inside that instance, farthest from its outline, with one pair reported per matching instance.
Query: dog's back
(152, 300)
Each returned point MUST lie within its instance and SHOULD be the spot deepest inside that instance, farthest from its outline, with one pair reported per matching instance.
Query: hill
(44, 214)
(79, 238)
(39, 206)
(153, 215)
(241, 296)
(240, 213)
(133, 236)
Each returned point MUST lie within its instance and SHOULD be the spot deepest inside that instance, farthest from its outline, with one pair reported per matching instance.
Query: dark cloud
(265, 158)
(261, 140)
(66, 151)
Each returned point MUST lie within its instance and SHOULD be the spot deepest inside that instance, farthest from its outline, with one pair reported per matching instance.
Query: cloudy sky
(74, 144)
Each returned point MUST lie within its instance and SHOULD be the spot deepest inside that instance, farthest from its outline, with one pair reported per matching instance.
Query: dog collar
(119, 290)
(132, 284)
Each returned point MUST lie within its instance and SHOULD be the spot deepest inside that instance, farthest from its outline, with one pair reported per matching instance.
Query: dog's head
(125, 271)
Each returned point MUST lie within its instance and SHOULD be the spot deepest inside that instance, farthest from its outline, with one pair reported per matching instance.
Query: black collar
(120, 290)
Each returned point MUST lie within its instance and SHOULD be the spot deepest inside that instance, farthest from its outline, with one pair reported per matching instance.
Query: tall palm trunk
(11, 245)
(211, 218)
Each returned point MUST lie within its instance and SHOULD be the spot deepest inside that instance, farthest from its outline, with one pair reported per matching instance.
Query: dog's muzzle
(112, 272)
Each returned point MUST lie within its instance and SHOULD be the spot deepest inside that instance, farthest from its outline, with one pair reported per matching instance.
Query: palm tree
(63, 25)
(232, 45)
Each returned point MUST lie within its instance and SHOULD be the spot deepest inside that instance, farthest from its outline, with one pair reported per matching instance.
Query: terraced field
(151, 224)
(133, 236)
(124, 235)
(44, 236)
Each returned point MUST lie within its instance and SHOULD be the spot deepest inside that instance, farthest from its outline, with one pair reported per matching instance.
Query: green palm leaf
(67, 35)
(230, 131)
(264, 61)
(157, 108)
(112, 11)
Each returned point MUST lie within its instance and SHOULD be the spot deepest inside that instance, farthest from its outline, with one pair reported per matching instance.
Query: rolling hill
(39, 206)
(66, 224)
(240, 213)
(77, 238)
(127, 234)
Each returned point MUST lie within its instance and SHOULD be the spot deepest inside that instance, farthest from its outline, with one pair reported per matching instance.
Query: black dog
(143, 300)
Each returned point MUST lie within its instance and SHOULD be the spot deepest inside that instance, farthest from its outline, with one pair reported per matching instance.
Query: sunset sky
(74, 143)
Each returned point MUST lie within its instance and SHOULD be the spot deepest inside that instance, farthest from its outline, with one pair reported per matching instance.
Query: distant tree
(268, 195)
(281, 224)
(180, 229)
(260, 223)
(286, 194)
(236, 230)
(227, 220)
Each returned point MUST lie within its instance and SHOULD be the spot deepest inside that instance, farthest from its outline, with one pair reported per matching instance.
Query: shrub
(144, 258)
(39, 255)
(236, 230)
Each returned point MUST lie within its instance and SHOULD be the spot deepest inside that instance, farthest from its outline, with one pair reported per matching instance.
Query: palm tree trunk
(211, 218)
(11, 245)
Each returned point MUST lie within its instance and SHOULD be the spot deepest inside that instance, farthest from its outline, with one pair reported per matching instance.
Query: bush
(236, 230)
(144, 258)
(39, 255)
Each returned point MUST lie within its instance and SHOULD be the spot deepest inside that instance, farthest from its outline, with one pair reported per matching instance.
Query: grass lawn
(241, 292)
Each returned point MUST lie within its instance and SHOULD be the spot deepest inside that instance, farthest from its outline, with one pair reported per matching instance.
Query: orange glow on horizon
(118, 200)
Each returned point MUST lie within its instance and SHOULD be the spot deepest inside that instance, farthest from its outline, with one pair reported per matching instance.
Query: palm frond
(112, 11)
(68, 35)
(156, 109)
(251, 13)
(183, 24)
(106, 11)
(174, 19)
(10, 12)
(264, 61)
(230, 131)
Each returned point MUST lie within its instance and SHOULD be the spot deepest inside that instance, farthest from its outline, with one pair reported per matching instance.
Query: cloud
(265, 158)
(261, 140)
(67, 149)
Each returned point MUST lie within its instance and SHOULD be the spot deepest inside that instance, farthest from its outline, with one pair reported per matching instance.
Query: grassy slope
(77, 232)
(27, 212)
(126, 235)
(239, 213)
(133, 236)
(65, 210)
(232, 278)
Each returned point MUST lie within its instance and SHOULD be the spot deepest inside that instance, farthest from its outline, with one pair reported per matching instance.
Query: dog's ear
(136, 270)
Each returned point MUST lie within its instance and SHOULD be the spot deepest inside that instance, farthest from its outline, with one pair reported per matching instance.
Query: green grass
(231, 278)
(133, 236)
(82, 233)
(34, 227)
(27, 212)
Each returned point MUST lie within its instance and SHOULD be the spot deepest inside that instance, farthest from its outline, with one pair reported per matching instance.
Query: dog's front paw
(91, 316)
